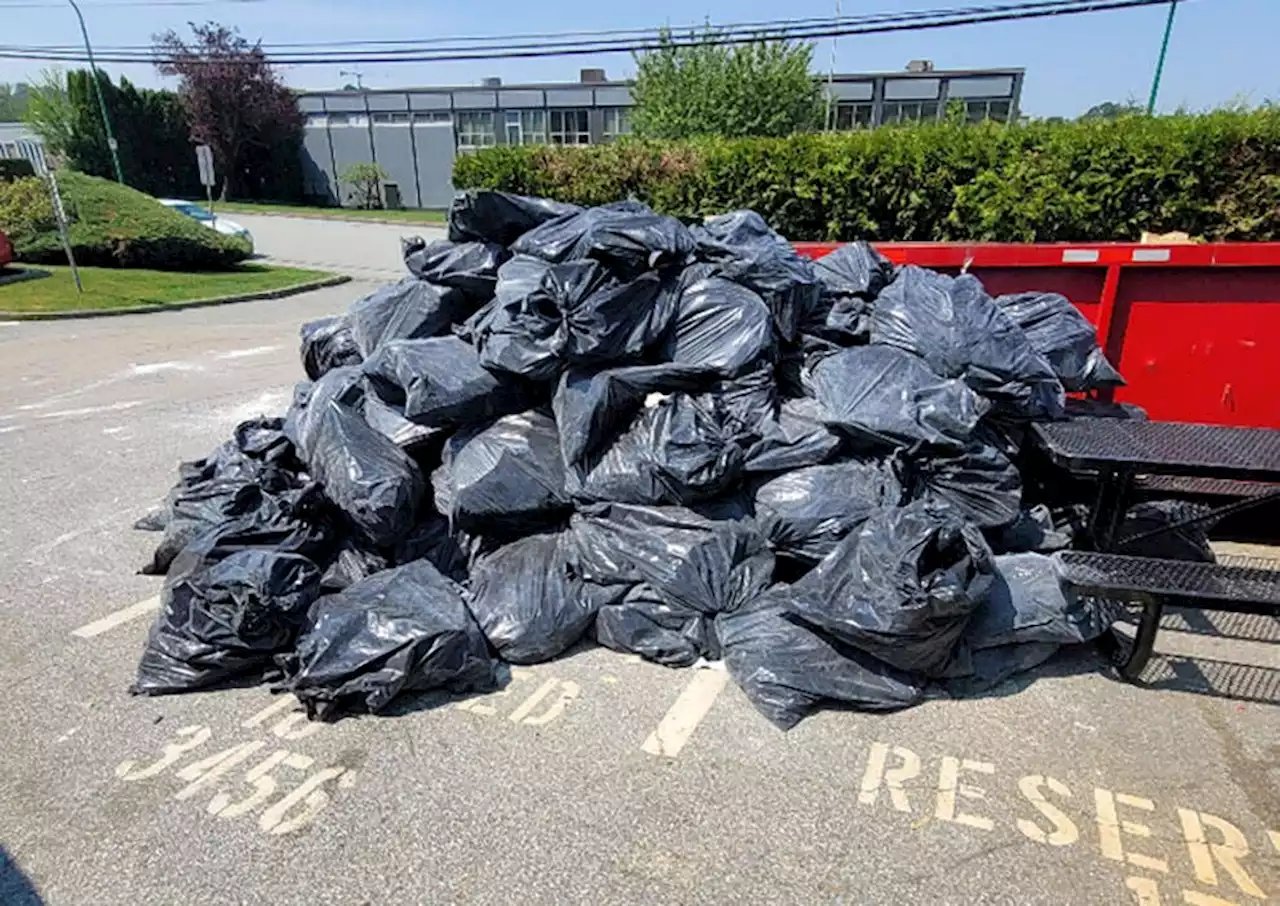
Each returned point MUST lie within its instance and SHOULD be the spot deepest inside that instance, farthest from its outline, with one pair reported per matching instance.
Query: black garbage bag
(805, 513)
(546, 315)
(469, 267)
(434, 541)
(229, 482)
(794, 439)
(592, 406)
(440, 382)
(1059, 332)
(390, 421)
(1034, 530)
(787, 668)
(220, 619)
(1027, 616)
(854, 270)
(981, 482)
(508, 472)
(749, 403)
(481, 215)
(1189, 540)
(689, 567)
(409, 310)
(678, 450)
(401, 630)
(626, 235)
(719, 325)
(529, 603)
(748, 252)
(356, 559)
(960, 332)
(886, 396)
(901, 587)
(326, 344)
(373, 481)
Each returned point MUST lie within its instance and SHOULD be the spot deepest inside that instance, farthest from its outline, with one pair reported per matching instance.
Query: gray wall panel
(475, 100)
(349, 103)
(981, 87)
(380, 102)
(395, 154)
(520, 99)
(429, 101)
(318, 177)
(569, 97)
(350, 146)
(613, 97)
(911, 89)
(435, 163)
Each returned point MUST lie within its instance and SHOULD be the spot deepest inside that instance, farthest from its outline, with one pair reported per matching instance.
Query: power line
(718, 36)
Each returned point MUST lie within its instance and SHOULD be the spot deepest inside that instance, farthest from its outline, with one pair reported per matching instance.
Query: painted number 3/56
(288, 813)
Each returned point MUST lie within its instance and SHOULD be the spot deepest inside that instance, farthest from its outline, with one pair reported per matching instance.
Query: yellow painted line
(119, 618)
(679, 723)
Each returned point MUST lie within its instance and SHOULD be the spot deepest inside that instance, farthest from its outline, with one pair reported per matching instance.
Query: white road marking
(245, 353)
(7, 428)
(92, 410)
(690, 708)
(119, 618)
(160, 367)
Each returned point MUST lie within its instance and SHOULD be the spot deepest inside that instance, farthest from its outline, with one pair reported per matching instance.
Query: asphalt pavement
(596, 778)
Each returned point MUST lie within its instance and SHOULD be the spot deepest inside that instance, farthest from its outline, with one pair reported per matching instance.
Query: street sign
(204, 157)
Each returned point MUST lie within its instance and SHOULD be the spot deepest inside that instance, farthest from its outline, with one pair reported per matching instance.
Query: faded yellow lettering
(482, 704)
(1110, 827)
(1064, 831)
(1145, 889)
(949, 787)
(877, 776)
(1228, 853)
(1195, 898)
(568, 692)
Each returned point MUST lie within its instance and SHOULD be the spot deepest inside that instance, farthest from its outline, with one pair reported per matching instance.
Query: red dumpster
(1195, 329)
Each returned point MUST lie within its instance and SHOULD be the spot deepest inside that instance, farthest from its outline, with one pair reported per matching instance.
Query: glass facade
(617, 123)
(570, 127)
(474, 128)
(851, 116)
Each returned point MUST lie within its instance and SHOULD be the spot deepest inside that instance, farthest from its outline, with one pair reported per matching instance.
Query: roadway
(595, 778)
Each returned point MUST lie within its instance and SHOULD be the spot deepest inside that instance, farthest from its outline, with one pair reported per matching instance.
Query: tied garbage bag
(900, 588)
(401, 630)
(354, 560)
(370, 479)
(440, 382)
(719, 326)
(851, 278)
(409, 310)
(1027, 616)
(887, 396)
(499, 217)
(546, 315)
(806, 512)
(787, 669)
(626, 235)
(981, 482)
(794, 439)
(678, 450)
(469, 267)
(1157, 519)
(684, 568)
(432, 540)
(220, 619)
(958, 330)
(748, 252)
(1059, 332)
(327, 344)
(509, 472)
(528, 601)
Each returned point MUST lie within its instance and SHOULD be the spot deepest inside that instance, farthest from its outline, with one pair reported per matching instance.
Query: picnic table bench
(1119, 452)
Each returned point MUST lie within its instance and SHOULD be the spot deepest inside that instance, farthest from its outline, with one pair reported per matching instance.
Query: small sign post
(59, 215)
(204, 157)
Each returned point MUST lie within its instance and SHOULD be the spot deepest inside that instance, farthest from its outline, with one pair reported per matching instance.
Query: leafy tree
(758, 88)
(50, 114)
(239, 107)
(365, 180)
(1111, 110)
(13, 101)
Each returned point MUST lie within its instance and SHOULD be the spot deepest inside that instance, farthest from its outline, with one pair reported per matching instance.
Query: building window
(908, 111)
(851, 116)
(526, 127)
(433, 116)
(978, 110)
(569, 127)
(475, 129)
(617, 123)
(316, 120)
(390, 118)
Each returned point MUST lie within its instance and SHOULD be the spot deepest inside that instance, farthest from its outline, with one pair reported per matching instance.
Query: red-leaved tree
(238, 106)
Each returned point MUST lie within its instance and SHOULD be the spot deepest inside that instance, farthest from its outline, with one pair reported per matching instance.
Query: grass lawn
(108, 287)
(413, 216)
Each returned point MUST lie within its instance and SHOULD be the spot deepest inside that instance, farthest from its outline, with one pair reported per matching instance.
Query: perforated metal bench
(1235, 585)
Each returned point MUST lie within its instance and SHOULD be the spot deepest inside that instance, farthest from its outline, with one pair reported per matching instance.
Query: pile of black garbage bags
(686, 442)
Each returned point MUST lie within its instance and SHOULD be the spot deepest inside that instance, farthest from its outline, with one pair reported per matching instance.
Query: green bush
(1214, 175)
(115, 226)
(15, 168)
(25, 207)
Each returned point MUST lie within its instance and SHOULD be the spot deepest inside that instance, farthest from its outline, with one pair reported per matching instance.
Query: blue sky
(1222, 50)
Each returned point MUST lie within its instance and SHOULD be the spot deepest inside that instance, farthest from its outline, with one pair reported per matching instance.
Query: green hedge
(1214, 175)
(113, 226)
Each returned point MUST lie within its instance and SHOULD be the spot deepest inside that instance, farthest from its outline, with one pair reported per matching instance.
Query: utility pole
(1164, 49)
(112, 144)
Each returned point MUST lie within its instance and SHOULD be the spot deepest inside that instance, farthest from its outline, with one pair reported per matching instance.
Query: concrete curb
(282, 292)
(441, 224)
